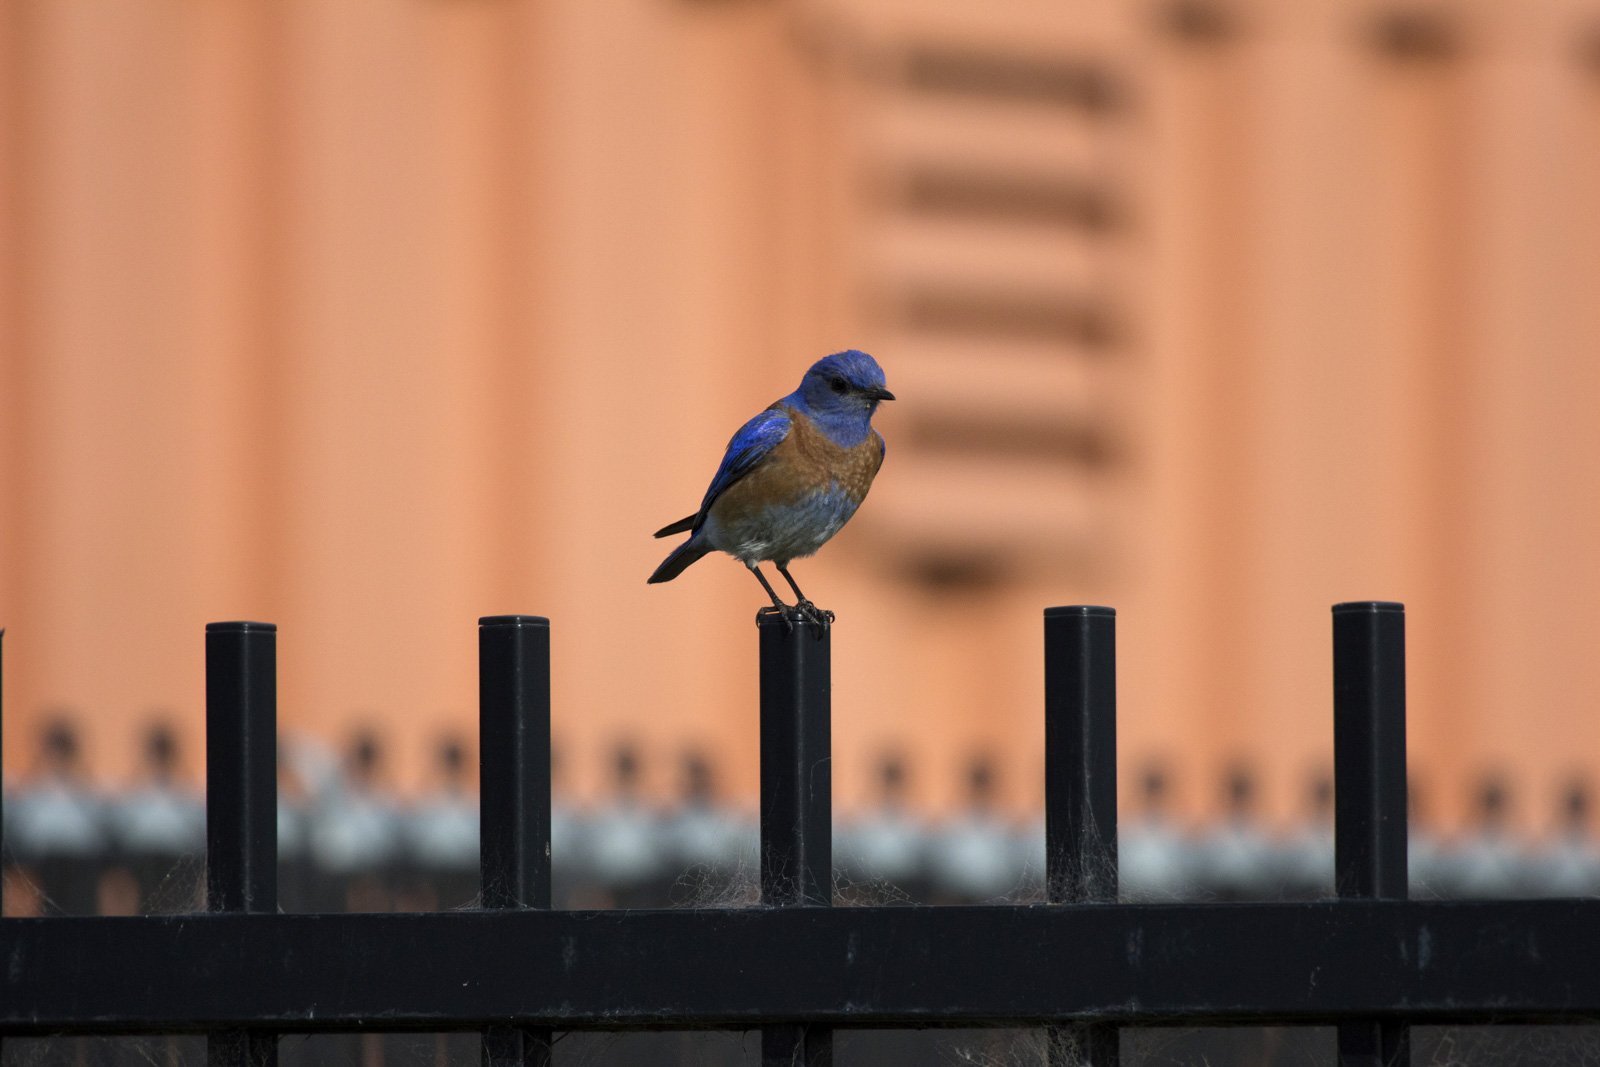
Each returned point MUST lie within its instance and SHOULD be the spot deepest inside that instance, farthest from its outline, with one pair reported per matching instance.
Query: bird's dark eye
(839, 385)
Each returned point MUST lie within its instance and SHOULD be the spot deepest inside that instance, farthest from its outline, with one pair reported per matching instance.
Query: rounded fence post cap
(1080, 611)
(1358, 607)
(538, 621)
(241, 627)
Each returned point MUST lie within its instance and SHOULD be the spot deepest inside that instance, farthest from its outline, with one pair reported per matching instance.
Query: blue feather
(748, 447)
(845, 417)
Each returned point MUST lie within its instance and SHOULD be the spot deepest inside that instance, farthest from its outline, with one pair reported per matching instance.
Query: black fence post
(242, 797)
(1080, 788)
(1369, 771)
(514, 793)
(2, 794)
(796, 801)
(2, 778)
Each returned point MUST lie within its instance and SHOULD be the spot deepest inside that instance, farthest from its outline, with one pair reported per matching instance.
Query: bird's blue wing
(749, 447)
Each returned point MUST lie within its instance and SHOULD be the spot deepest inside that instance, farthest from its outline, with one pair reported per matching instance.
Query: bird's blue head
(841, 392)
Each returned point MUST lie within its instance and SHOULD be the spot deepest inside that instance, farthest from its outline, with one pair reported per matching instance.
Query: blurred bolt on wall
(372, 319)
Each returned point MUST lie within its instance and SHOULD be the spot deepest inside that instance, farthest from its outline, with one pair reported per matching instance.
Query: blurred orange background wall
(370, 317)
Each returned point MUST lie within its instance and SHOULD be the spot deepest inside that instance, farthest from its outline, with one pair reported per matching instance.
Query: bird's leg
(778, 607)
(820, 616)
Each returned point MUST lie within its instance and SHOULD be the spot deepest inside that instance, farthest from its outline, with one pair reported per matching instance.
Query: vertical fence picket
(2, 778)
(1080, 784)
(2, 795)
(796, 801)
(1369, 766)
(242, 797)
(514, 793)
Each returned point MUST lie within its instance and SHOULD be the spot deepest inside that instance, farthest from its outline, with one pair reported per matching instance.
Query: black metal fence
(1076, 969)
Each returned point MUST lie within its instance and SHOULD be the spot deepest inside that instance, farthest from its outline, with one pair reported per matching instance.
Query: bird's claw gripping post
(821, 616)
(803, 612)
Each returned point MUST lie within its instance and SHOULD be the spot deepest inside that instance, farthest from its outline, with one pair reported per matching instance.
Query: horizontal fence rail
(1081, 965)
(1440, 961)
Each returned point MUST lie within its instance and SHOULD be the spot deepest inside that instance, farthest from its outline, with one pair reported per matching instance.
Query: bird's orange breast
(804, 462)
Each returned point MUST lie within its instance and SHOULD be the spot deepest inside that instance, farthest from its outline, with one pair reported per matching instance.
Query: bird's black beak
(876, 393)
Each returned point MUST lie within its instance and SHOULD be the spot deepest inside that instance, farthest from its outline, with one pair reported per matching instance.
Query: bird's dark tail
(681, 557)
(678, 527)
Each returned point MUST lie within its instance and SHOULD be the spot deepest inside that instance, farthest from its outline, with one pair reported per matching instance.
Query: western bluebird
(791, 478)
